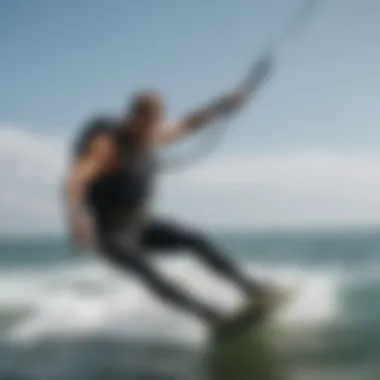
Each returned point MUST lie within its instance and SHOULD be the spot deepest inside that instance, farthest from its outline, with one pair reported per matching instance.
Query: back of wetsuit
(126, 188)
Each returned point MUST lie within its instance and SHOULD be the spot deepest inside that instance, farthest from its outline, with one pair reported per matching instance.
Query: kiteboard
(254, 313)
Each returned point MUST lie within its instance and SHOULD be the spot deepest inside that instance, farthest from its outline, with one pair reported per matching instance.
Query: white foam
(93, 298)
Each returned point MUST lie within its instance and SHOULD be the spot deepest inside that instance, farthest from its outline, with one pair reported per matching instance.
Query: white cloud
(288, 189)
(281, 190)
(31, 167)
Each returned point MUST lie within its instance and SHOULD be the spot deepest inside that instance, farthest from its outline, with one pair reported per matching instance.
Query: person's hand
(258, 74)
(233, 101)
(81, 232)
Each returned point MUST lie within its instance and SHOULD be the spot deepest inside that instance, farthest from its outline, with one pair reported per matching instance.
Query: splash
(93, 299)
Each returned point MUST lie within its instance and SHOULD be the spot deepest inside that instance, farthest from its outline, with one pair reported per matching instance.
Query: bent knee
(198, 240)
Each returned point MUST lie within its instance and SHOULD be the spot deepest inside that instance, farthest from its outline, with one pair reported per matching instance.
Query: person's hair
(143, 102)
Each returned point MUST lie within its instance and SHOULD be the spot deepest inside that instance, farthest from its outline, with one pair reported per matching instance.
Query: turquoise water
(67, 316)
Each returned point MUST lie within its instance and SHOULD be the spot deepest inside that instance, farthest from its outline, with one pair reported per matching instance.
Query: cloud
(287, 189)
(31, 168)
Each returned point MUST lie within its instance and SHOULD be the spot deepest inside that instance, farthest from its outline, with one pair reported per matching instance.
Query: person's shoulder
(92, 128)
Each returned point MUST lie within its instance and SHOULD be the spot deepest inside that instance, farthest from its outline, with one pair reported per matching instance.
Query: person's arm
(198, 119)
(78, 218)
(102, 154)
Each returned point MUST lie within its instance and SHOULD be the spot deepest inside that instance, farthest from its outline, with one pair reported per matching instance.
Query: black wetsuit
(130, 246)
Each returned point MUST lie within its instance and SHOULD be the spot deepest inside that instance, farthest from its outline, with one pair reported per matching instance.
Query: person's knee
(198, 240)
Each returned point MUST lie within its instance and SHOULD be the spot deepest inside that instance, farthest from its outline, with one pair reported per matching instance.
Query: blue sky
(63, 61)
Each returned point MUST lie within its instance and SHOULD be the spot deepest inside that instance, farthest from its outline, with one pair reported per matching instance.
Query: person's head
(145, 114)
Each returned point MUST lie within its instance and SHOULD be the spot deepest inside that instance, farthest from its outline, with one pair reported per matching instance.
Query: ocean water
(67, 316)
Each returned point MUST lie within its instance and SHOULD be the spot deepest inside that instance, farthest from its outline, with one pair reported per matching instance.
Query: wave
(91, 298)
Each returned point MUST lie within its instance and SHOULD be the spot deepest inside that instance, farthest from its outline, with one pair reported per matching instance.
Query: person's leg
(131, 257)
(160, 235)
